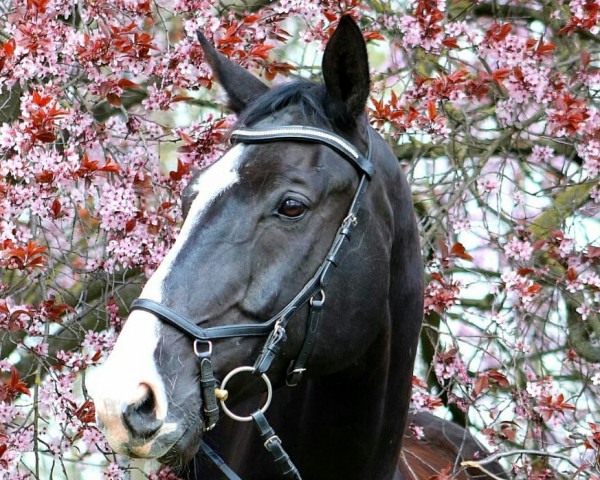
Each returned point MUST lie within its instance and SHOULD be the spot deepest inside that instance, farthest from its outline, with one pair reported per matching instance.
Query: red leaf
(593, 252)
(458, 250)
(114, 99)
(525, 271)
(501, 73)
(52, 311)
(431, 110)
(506, 28)
(261, 51)
(39, 100)
(373, 35)
(46, 137)
(585, 58)
(181, 98)
(56, 208)
(450, 42)
(182, 169)
(26, 257)
(9, 47)
(110, 166)
(130, 225)
(498, 378)
(543, 49)
(87, 412)
(518, 73)
(481, 384)
(229, 40)
(126, 83)
(45, 177)
(252, 18)
(12, 387)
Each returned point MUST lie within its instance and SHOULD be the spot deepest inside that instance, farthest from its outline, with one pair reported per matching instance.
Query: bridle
(274, 328)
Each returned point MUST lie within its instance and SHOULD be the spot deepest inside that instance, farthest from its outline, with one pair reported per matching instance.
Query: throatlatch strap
(273, 445)
(210, 454)
(209, 397)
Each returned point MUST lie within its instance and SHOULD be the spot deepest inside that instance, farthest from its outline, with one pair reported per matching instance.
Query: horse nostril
(140, 416)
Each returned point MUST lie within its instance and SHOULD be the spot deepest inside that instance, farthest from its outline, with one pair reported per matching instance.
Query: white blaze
(131, 364)
(211, 184)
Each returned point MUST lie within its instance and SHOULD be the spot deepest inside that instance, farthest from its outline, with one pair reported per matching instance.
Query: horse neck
(347, 425)
(359, 414)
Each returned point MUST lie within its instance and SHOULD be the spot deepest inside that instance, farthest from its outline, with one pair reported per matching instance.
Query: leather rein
(274, 328)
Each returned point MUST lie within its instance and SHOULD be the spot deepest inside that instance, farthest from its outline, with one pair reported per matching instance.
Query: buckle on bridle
(350, 219)
(272, 439)
(198, 352)
(278, 333)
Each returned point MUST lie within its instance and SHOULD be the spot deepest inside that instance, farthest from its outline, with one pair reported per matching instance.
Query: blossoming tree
(491, 108)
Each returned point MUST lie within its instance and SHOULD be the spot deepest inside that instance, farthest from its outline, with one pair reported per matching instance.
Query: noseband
(274, 328)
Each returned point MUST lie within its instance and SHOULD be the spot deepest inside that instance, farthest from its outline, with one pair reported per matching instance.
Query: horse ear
(241, 86)
(346, 69)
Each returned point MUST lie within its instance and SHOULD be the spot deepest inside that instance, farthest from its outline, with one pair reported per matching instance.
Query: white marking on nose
(116, 384)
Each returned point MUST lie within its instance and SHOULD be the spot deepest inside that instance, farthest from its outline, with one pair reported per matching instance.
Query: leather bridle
(274, 328)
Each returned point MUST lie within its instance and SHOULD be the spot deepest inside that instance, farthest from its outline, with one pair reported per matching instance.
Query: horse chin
(174, 448)
(184, 449)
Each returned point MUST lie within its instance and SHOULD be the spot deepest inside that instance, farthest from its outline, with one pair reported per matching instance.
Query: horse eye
(291, 208)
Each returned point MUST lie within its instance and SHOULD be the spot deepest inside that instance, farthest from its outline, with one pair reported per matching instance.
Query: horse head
(257, 254)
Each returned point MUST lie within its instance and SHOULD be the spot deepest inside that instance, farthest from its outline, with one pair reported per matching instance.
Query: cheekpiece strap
(297, 367)
(209, 397)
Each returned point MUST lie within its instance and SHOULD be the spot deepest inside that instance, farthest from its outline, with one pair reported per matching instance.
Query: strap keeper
(294, 376)
(271, 348)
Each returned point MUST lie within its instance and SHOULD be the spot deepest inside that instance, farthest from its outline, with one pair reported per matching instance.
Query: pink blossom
(8, 412)
(94, 440)
(117, 206)
(488, 184)
(524, 288)
(518, 249)
(585, 311)
(417, 431)
(113, 472)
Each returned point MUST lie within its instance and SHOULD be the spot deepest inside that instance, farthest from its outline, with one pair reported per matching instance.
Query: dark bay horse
(299, 259)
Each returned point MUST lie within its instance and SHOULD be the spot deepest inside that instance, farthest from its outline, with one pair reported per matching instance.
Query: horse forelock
(308, 98)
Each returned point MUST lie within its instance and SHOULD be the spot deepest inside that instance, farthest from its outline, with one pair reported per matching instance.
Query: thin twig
(496, 456)
(473, 464)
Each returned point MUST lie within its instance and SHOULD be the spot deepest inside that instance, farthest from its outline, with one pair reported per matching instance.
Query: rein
(274, 328)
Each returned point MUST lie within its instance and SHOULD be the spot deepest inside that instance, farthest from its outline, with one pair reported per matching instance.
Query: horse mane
(310, 98)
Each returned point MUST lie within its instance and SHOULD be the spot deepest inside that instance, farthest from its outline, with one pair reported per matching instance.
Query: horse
(290, 304)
